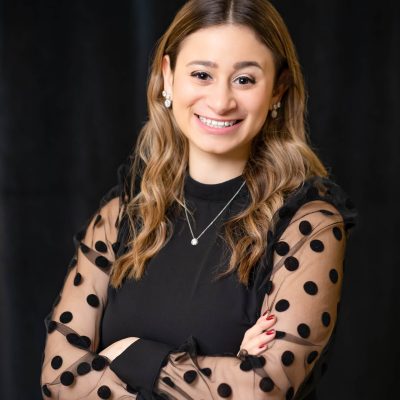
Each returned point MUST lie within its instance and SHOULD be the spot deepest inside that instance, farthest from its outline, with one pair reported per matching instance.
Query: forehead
(224, 45)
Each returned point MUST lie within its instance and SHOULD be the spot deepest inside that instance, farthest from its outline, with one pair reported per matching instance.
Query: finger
(260, 343)
(262, 324)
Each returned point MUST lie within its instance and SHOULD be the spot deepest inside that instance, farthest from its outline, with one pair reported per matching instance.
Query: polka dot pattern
(56, 362)
(317, 246)
(104, 392)
(282, 305)
(67, 378)
(93, 300)
(190, 376)
(282, 248)
(298, 278)
(224, 390)
(291, 263)
(267, 384)
(287, 358)
(311, 288)
(66, 317)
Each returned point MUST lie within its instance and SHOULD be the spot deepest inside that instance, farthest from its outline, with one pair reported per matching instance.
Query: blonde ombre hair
(280, 160)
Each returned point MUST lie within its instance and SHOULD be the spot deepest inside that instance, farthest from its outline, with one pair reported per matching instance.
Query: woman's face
(222, 89)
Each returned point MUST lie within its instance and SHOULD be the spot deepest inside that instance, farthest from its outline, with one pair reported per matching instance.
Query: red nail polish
(270, 317)
(270, 332)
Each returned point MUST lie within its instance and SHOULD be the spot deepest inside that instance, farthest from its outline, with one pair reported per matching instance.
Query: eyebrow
(236, 66)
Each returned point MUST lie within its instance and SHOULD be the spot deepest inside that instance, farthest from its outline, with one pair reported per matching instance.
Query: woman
(213, 270)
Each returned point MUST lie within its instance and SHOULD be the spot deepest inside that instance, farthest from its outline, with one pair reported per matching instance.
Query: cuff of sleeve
(140, 363)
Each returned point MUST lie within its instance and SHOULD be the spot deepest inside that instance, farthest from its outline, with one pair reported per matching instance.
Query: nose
(221, 99)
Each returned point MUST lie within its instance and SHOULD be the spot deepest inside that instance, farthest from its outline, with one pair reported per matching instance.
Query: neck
(214, 168)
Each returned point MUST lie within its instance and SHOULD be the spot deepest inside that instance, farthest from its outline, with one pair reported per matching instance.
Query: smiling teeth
(216, 124)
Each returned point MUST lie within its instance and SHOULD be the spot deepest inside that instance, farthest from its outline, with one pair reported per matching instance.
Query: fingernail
(270, 332)
(261, 346)
(272, 316)
(265, 312)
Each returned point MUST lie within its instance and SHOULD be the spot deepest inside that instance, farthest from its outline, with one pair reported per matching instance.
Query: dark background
(72, 99)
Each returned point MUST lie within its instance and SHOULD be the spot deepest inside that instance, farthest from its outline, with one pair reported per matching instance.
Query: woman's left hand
(115, 349)
(256, 338)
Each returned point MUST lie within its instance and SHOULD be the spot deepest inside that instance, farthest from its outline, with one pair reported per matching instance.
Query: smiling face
(222, 89)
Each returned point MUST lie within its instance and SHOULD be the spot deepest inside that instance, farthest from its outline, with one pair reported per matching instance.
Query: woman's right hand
(257, 338)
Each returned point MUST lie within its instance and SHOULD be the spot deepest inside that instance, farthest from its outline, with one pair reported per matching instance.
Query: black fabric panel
(72, 99)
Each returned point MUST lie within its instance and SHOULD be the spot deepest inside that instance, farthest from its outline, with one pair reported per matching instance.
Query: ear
(281, 86)
(167, 74)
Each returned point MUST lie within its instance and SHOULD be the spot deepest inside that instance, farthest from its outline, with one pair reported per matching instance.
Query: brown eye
(200, 75)
(245, 80)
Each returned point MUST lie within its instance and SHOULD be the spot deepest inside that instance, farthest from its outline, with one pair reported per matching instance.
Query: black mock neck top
(190, 323)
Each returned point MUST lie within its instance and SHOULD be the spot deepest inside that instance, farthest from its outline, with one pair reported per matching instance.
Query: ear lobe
(167, 73)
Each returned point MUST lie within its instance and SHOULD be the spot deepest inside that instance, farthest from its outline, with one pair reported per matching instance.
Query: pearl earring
(276, 107)
(168, 100)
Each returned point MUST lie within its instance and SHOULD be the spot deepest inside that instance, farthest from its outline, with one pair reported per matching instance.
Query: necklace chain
(195, 240)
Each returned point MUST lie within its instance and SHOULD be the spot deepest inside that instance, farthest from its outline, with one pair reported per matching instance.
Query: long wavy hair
(280, 158)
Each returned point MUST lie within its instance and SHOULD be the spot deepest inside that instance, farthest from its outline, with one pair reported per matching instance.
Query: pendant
(194, 242)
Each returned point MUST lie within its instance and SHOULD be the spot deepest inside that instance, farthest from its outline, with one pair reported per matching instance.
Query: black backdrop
(72, 98)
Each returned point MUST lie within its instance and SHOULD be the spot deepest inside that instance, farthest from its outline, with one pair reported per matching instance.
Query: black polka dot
(102, 262)
(287, 358)
(104, 392)
(291, 263)
(99, 363)
(67, 378)
(305, 228)
(282, 305)
(267, 384)
(93, 300)
(46, 391)
(56, 362)
(317, 246)
(52, 326)
(303, 330)
(206, 371)
(326, 319)
(74, 339)
(280, 334)
(333, 275)
(311, 288)
(85, 342)
(78, 279)
(337, 233)
(100, 246)
(245, 365)
(289, 394)
(224, 390)
(168, 381)
(84, 248)
(312, 356)
(83, 368)
(66, 317)
(269, 287)
(282, 248)
(190, 376)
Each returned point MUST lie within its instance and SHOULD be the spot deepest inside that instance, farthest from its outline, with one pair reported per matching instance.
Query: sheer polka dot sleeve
(303, 291)
(72, 368)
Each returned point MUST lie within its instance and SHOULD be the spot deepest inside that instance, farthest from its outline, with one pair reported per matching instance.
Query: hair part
(280, 159)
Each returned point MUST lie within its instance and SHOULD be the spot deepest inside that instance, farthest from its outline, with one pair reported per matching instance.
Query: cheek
(184, 93)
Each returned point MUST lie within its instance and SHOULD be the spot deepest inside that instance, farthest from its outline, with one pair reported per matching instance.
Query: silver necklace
(195, 240)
